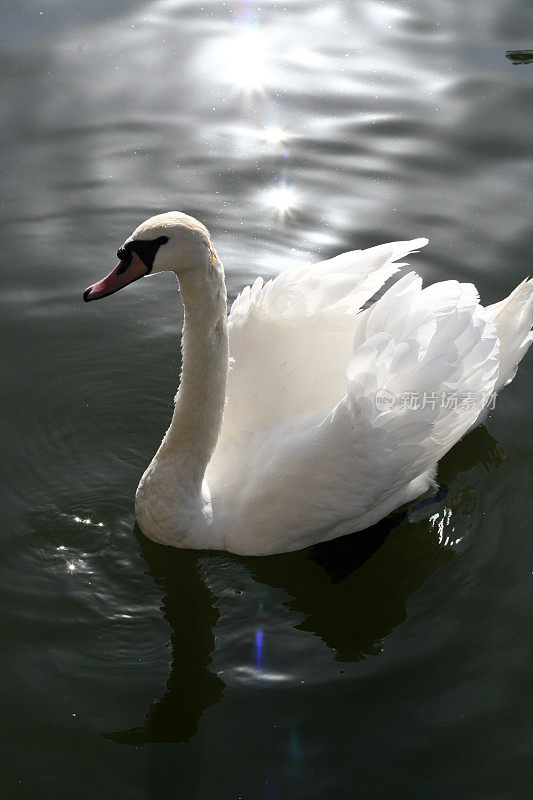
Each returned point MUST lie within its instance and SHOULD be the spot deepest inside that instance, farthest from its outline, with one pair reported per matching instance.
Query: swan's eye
(144, 249)
(147, 249)
(125, 260)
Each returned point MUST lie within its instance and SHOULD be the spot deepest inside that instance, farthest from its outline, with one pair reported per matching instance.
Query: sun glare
(245, 60)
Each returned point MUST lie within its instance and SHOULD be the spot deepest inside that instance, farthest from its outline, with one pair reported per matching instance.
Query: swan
(294, 421)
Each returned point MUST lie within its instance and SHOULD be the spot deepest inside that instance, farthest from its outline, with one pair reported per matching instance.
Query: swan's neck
(193, 433)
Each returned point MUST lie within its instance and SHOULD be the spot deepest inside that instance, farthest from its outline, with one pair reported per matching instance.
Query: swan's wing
(435, 354)
(446, 355)
(513, 318)
(290, 338)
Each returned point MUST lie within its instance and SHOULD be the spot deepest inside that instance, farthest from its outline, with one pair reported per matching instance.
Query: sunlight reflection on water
(294, 131)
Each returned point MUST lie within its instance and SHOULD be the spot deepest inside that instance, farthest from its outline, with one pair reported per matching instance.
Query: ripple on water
(294, 131)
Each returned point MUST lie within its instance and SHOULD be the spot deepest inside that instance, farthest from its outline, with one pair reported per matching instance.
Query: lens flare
(259, 649)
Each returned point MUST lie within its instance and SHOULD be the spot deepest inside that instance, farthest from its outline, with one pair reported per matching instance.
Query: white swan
(319, 435)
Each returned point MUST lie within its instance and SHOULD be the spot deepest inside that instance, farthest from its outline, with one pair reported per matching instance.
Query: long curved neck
(199, 405)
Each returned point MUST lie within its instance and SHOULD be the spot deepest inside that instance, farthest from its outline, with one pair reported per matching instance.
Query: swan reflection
(352, 592)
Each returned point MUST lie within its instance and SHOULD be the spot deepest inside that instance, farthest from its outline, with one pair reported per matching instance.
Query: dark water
(391, 664)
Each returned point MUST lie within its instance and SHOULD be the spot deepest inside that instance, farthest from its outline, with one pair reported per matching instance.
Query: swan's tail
(513, 318)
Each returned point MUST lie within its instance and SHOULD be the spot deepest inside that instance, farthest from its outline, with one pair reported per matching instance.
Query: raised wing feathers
(291, 338)
(313, 476)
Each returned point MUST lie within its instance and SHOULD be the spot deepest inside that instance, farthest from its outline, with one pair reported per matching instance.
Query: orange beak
(123, 274)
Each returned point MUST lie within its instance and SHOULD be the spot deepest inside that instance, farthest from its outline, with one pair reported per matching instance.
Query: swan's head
(172, 241)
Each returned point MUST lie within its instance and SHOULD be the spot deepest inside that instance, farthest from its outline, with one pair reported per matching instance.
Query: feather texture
(323, 456)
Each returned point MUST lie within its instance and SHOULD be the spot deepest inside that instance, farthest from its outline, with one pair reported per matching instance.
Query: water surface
(391, 664)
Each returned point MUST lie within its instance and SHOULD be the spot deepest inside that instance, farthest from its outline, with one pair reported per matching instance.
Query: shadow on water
(352, 592)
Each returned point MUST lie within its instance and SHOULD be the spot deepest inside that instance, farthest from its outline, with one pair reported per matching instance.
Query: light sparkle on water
(282, 198)
(274, 135)
(245, 59)
(87, 521)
